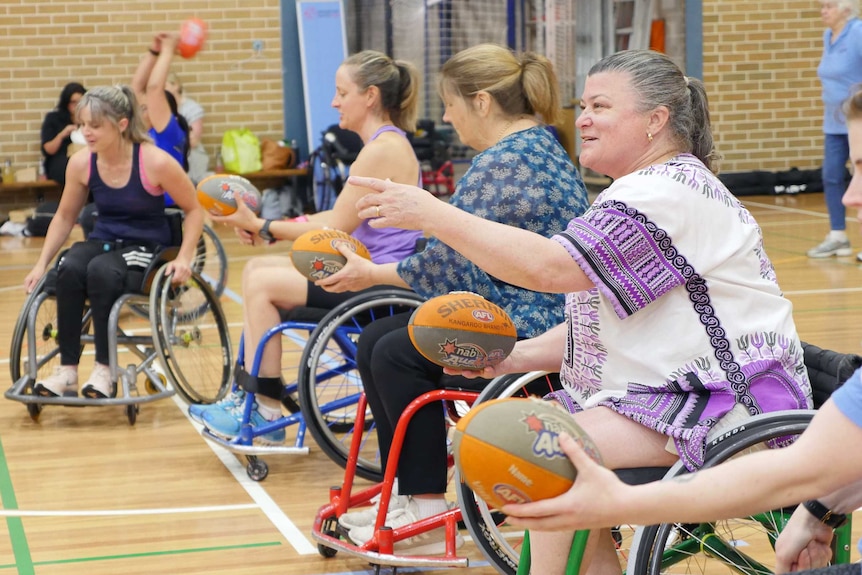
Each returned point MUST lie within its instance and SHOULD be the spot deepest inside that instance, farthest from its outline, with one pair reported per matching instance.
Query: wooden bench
(21, 195)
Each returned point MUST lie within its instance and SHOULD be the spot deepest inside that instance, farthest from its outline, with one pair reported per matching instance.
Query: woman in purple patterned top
(675, 325)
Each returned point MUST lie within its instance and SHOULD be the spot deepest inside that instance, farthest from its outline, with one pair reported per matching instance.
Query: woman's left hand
(356, 275)
(394, 205)
(181, 270)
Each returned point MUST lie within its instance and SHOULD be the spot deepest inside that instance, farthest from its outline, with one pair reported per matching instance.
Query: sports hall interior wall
(759, 64)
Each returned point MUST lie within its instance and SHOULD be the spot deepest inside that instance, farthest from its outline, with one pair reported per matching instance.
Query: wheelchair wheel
(329, 383)
(46, 353)
(211, 260)
(741, 545)
(191, 337)
(499, 543)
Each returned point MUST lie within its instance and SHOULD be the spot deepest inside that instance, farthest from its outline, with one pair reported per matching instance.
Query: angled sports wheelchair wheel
(39, 312)
(499, 543)
(211, 260)
(192, 338)
(741, 545)
(329, 383)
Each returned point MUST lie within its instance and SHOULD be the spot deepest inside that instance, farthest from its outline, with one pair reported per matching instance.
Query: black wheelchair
(176, 333)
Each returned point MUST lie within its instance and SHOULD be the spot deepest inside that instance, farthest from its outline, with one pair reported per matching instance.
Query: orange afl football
(217, 194)
(315, 253)
(462, 330)
(508, 450)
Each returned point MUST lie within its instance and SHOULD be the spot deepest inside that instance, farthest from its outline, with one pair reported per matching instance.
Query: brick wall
(46, 43)
(760, 68)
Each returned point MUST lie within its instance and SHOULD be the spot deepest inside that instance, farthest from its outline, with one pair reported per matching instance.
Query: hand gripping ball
(217, 194)
(315, 253)
(508, 450)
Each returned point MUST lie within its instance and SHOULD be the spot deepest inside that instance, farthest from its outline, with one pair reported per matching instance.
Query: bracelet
(153, 52)
(825, 515)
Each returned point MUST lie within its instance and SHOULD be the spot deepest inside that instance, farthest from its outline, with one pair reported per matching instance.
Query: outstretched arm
(760, 481)
(514, 255)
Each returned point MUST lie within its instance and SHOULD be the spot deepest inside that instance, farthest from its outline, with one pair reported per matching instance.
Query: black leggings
(101, 272)
(394, 374)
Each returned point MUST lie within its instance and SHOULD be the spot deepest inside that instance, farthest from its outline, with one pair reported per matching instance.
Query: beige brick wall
(760, 68)
(46, 43)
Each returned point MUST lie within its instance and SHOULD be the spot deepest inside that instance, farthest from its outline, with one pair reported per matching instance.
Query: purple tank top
(387, 245)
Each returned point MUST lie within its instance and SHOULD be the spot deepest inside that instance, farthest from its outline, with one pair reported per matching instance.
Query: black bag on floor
(37, 224)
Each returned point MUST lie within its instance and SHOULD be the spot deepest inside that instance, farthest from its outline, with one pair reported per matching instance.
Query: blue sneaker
(227, 423)
(232, 399)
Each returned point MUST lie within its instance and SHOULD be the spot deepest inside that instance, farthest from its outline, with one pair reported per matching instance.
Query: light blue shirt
(840, 70)
(848, 399)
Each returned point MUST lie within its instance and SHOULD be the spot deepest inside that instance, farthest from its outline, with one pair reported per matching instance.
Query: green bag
(240, 151)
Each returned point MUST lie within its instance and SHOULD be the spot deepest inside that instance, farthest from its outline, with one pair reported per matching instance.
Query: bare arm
(73, 199)
(157, 103)
(537, 263)
(756, 482)
(164, 171)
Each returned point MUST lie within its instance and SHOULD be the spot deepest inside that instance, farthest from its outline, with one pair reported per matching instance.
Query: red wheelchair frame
(379, 549)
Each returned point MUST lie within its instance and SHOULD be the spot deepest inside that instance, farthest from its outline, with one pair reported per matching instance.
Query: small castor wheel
(34, 409)
(132, 413)
(325, 551)
(257, 470)
(151, 389)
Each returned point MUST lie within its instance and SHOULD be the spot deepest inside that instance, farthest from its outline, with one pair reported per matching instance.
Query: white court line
(266, 504)
(124, 512)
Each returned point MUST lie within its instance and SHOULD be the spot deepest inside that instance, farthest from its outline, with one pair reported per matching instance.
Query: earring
(649, 136)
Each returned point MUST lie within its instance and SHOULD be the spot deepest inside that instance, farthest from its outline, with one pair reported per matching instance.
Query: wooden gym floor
(82, 491)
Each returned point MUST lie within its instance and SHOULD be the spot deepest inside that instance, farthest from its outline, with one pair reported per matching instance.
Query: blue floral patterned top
(525, 180)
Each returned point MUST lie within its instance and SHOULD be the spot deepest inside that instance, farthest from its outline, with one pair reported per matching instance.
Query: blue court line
(409, 569)
(20, 547)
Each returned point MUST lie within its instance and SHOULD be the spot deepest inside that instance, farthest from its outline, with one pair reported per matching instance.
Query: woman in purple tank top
(377, 98)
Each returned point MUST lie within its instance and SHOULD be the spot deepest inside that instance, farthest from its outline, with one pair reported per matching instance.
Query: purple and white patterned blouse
(686, 319)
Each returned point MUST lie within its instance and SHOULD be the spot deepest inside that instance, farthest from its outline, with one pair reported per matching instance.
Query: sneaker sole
(838, 253)
(45, 392)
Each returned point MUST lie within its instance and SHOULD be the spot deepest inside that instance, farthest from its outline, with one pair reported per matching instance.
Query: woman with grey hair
(840, 70)
(127, 175)
(676, 326)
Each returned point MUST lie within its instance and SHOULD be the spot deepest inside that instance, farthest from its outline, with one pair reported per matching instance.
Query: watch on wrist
(825, 515)
(265, 234)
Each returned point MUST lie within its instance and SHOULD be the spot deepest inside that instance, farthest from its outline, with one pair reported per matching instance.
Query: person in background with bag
(57, 131)
(193, 112)
(376, 97)
(127, 176)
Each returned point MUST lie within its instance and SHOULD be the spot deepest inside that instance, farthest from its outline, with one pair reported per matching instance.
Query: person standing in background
(57, 131)
(839, 71)
(193, 112)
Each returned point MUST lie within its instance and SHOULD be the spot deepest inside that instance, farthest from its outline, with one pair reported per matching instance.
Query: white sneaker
(431, 542)
(62, 383)
(99, 386)
(368, 516)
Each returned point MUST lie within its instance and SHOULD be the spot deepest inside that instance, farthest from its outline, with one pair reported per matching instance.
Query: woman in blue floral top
(521, 177)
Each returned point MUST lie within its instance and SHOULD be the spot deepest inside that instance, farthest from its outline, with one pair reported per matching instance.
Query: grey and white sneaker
(830, 247)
